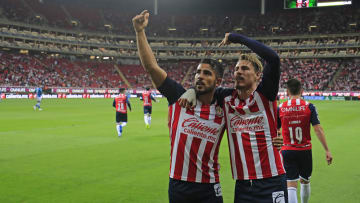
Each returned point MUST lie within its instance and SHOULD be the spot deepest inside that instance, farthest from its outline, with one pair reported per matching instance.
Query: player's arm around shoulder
(147, 57)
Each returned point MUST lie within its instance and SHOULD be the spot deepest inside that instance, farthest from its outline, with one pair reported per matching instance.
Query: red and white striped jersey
(195, 140)
(146, 96)
(120, 103)
(296, 116)
(251, 125)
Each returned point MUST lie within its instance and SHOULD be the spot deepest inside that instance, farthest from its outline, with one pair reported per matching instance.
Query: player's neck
(206, 98)
(295, 97)
(244, 93)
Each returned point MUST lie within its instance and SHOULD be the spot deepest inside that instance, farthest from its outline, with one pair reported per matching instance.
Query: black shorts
(147, 109)
(298, 164)
(267, 190)
(190, 192)
(121, 117)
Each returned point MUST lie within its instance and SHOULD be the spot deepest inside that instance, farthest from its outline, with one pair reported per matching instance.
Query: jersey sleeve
(171, 90)
(128, 103)
(269, 85)
(221, 93)
(152, 97)
(314, 118)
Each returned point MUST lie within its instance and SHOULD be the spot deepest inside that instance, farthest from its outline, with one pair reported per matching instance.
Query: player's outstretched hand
(225, 41)
(141, 21)
(278, 142)
(188, 99)
(329, 157)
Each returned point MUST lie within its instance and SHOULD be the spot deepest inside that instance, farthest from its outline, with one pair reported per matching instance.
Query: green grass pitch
(70, 152)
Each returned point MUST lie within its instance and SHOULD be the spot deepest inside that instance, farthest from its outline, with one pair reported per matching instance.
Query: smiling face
(245, 75)
(205, 79)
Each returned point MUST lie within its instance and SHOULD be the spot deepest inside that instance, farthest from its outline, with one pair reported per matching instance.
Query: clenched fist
(141, 21)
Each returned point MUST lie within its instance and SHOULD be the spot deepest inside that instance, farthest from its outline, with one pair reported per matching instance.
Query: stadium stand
(67, 44)
(344, 20)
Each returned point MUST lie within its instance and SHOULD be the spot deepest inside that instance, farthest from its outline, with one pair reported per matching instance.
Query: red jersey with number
(120, 103)
(146, 98)
(295, 116)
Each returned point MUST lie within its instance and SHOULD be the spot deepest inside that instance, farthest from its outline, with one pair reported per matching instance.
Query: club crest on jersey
(219, 111)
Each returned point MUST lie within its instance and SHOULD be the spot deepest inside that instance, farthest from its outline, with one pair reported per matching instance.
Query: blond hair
(253, 58)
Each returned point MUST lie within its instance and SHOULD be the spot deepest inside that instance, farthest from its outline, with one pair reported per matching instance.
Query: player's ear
(258, 75)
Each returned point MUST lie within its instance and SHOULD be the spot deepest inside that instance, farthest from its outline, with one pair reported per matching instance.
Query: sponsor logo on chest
(201, 128)
(247, 123)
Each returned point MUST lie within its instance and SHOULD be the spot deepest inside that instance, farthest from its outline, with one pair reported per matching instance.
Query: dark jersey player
(146, 96)
(120, 103)
(294, 117)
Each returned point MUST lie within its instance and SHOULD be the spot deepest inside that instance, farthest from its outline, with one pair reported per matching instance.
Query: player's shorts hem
(292, 180)
(308, 179)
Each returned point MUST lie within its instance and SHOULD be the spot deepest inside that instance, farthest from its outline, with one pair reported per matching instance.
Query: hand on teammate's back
(141, 21)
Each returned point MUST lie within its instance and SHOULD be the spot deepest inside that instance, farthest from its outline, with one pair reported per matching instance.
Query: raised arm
(147, 57)
(269, 85)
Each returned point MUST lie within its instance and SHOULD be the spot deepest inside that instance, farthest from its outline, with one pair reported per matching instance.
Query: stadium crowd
(349, 78)
(25, 70)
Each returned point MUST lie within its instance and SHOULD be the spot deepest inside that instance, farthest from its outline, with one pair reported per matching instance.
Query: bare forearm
(321, 135)
(148, 60)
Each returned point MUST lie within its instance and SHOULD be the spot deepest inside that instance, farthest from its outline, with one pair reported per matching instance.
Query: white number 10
(298, 135)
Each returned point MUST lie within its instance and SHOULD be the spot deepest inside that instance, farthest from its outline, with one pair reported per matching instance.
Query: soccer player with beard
(250, 113)
(294, 117)
(195, 134)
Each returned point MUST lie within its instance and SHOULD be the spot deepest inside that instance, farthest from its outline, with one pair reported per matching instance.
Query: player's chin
(200, 90)
(240, 86)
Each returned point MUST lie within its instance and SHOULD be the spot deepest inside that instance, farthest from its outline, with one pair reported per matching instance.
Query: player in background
(250, 112)
(38, 93)
(147, 96)
(120, 103)
(294, 118)
(195, 134)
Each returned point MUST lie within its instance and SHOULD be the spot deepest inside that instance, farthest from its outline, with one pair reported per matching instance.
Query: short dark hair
(216, 65)
(294, 86)
(147, 88)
